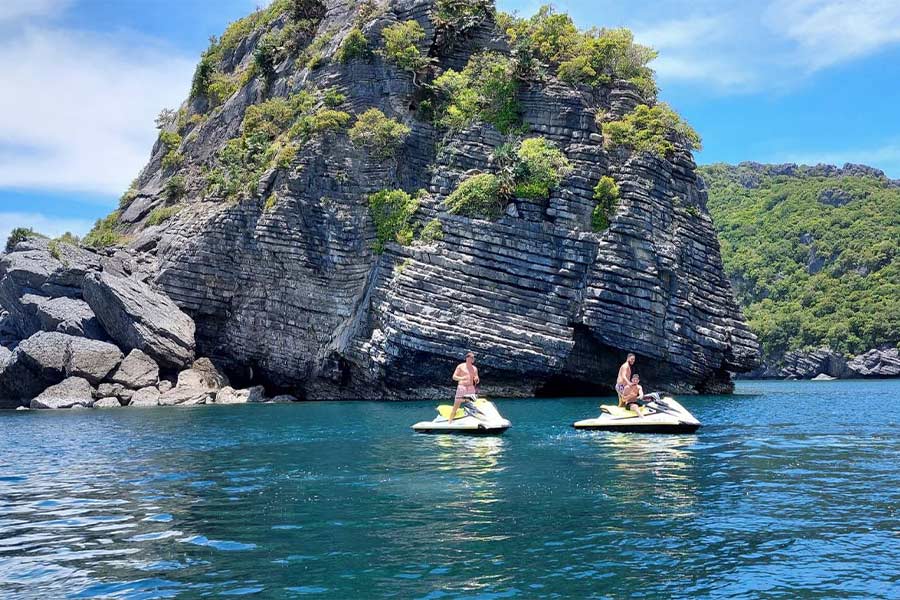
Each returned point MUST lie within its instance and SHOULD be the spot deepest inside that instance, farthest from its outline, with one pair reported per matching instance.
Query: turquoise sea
(790, 490)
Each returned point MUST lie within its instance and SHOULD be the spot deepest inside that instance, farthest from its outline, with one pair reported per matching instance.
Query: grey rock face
(884, 362)
(229, 395)
(107, 403)
(137, 317)
(38, 270)
(294, 295)
(69, 315)
(835, 197)
(807, 364)
(91, 359)
(23, 274)
(69, 393)
(5, 356)
(136, 371)
(148, 396)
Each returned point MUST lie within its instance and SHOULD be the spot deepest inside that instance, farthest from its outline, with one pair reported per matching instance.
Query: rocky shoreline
(809, 364)
(82, 336)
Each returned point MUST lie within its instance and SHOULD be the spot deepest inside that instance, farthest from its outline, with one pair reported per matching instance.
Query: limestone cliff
(282, 277)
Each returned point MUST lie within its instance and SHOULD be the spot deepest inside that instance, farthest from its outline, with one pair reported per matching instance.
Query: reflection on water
(783, 494)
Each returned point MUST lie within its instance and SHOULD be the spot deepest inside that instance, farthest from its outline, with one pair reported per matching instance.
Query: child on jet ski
(633, 395)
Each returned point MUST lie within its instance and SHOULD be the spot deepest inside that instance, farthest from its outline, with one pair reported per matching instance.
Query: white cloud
(41, 223)
(77, 109)
(754, 46)
(16, 10)
(829, 32)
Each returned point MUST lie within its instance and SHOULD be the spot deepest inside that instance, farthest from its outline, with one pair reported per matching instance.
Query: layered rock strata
(293, 295)
(284, 287)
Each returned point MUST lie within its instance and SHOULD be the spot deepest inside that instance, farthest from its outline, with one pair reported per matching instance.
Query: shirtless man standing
(624, 377)
(466, 378)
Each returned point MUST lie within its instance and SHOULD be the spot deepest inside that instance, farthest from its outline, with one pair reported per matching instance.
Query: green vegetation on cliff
(650, 129)
(392, 212)
(814, 260)
(606, 193)
(550, 42)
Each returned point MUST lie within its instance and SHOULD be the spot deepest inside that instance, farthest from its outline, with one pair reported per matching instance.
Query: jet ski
(661, 415)
(475, 416)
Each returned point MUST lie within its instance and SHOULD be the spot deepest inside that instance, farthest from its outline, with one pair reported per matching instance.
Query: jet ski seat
(618, 411)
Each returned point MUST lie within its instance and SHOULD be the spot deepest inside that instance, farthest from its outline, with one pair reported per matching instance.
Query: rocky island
(356, 193)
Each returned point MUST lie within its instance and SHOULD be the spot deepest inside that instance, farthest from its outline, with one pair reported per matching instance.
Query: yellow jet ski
(661, 415)
(475, 416)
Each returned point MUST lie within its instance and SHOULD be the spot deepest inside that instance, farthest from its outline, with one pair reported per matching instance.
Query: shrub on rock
(378, 134)
(478, 197)
(540, 169)
(606, 193)
(401, 45)
(392, 212)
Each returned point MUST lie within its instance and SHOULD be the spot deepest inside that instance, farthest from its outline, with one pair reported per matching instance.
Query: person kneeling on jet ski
(466, 378)
(633, 395)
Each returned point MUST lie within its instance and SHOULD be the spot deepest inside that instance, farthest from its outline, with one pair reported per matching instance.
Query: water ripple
(782, 494)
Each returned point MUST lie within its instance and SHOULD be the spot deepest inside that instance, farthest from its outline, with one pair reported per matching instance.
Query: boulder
(283, 399)
(164, 386)
(147, 396)
(5, 356)
(125, 395)
(69, 315)
(92, 359)
(107, 390)
(136, 371)
(185, 396)
(69, 393)
(37, 363)
(823, 377)
(879, 362)
(107, 403)
(203, 375)
(136, 316)
(229, 395)
(46, 358)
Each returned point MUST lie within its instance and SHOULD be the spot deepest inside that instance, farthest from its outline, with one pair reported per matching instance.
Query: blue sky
(772, 81)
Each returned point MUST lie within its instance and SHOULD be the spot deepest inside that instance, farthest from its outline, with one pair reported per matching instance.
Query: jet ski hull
(478, 416)
(662, 415)
(435, 428)
(638, 428)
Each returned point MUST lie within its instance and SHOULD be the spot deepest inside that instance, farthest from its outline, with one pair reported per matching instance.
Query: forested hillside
(812, 253)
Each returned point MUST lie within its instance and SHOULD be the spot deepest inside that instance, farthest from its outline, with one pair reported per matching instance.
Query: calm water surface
(791, 490)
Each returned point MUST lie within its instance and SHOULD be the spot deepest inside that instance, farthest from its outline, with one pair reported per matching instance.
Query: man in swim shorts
(633, 395)
(624, 376)
(466, 378)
